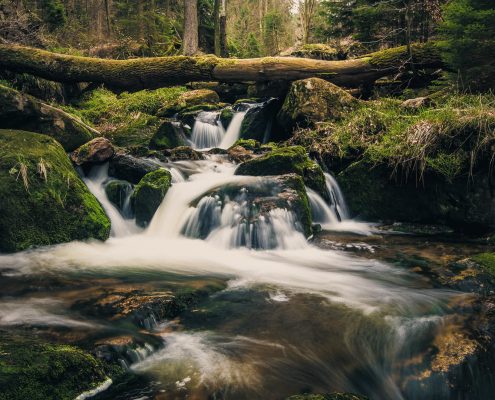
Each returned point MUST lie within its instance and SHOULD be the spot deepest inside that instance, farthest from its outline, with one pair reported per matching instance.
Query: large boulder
(373, 194)
(314, 100)
(130, 168)
(44, 201)
(258, 120)
(118, 193)
(21, 111)
(149, 194)
(287, 160)
(96, 151)
(170, 135)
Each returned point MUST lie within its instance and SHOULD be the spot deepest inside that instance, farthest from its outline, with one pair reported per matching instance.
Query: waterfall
(337, 198)
(234, 130)
(207, 131)
(96, 181)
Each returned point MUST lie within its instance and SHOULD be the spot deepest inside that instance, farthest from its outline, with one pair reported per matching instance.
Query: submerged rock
(44, 201)
(286, 160)
(149, 194)
(96, 151)
(185, 153)
(314, 100)
(170, 135)
(129, 168)
(21, 111)
(117, 192)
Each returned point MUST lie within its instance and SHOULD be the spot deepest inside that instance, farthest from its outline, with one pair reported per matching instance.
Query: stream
(283, 315)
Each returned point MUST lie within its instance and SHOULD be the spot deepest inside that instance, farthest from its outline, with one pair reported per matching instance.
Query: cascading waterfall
(207, 131)
(233, 133)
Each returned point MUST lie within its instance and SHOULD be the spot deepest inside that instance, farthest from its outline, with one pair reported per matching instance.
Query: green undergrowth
(451, 137)
(126, 118)
(487, 261)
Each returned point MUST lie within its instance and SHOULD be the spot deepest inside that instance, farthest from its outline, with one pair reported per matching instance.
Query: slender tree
(190, 40)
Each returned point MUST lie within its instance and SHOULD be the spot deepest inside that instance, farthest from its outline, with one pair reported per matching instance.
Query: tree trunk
(223, 29)
(191, 40)
(150, 73)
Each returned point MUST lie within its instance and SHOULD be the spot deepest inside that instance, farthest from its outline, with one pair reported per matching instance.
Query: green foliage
(487, 261)
(128, 118)
(469, 32)
(53, 13)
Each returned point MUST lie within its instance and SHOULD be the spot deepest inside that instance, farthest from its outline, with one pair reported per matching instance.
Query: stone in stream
(314, 100)
(130, 168)
(149, 194)
(118, 192)
(44, 201)
(96, 151)
(286, 160)
(21, 111)
(185, 153)
(258, 120)
(171, 134)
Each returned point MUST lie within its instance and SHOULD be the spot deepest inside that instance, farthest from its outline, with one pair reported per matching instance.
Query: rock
(314, 100)
(417, 103)
(149, 194)
(373, 194)
(170, 135)
(21, 111)
(96, 151)
(258, 120)
(32, 369)
(44, 201)
(188, 100)
(129, 168)
(239, 154)
(226, 116)
(118, 192)
(286, 160)
(185, 153)
(228, 92)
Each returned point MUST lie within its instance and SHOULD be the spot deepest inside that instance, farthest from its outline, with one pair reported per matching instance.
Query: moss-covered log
(157, 72)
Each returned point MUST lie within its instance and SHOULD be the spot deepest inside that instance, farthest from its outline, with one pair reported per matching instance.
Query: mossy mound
(30, 369)
(287, 160)
(44, 201)
(169, 135)
(149, 194)
(190, 99)
(318, 51)
(314, 100)
(21, 111)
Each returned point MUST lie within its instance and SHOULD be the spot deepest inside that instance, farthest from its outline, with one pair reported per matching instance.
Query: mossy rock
(226, 116)
(30, 369)
(44, 201)
(117, 192)
(21, 111)
(487, 262)
(314, 100)
(258, 120)
(96, 151)
(318, 51)
(169, 135)
(185, 153)
(248, 144)
(189, 99)
(129, 168)
(149, 194)
(287, 160)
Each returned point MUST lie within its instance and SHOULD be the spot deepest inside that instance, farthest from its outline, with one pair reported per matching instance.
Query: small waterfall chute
(208, 130)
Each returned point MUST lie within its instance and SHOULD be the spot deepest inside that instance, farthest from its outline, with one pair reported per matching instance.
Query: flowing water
(288, 317)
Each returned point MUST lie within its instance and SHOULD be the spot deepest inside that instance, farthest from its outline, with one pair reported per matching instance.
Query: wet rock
(226, 116)
(170, 135)
(44, 201)
(118, 192)
(314, 100)
(239, 154)
(185, 153)
(258, 120)
(286, 160)
(21, 111)
(129, 168)
(96, 151)
(149, 194)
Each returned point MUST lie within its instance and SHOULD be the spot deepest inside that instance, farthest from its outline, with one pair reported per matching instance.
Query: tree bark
(151, 73)
(191, 41)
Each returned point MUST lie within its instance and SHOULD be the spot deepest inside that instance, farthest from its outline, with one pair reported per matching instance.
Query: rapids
(292, 317)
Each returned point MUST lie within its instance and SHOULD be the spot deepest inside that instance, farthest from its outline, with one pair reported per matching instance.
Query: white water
(207, 131)
(233, 132)
(96, 180)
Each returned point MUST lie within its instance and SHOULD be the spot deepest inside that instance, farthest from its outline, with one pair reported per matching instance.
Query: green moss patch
(487, 261)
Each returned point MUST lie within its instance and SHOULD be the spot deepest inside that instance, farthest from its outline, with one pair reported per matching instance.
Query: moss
(30, 369)
(248, 144)
(487, 261)
(117, 192)
(424, 54)
(200, 99)
(226, 116)
(286, 160)
(149, 194)
(168, 136)
(54, 205)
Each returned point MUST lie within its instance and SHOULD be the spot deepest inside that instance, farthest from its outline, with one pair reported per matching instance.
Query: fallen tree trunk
(151, 73)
